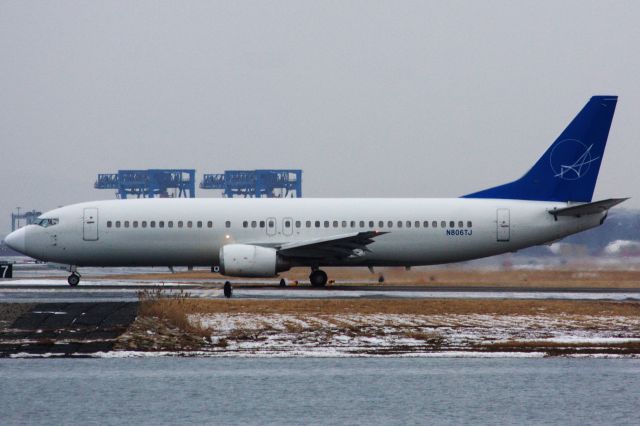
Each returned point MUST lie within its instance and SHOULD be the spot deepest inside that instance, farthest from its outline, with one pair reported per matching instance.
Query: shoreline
(166, 324)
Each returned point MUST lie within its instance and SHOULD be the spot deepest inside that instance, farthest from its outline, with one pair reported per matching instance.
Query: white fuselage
(138, 232)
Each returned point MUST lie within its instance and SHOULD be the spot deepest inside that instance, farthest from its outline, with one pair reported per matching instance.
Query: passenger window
(271, 224)
(452, 224)
(108, 224)
(153, 223)
(390, 224)
(460, 224)
(135, 223)
(144, 223)
(180, 224)
(262, 224)
(344, 223)
(189, 224)
(117, 224)
(245, 224)
(161, 224)
(227, 224)
(308, 224)
(287, 224)
(371, 224)
(210, 224)
(380, 224)
(126, 223)
(469, 224)
(199, 224)
(254, 224)
(335, 223)
(443, 224)
(425, 224)
(353, 223)
(170, 224)
(317, 224)
(417, 224)
(434, 224)
(362, 224)
(399, 224)
(326, 223)
(298, 224)
(408, 224)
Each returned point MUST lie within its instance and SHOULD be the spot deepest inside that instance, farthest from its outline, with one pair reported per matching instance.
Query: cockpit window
(46, 222)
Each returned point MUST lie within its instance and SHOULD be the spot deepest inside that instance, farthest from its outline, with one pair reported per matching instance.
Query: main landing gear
(318, 278)
(74, 279)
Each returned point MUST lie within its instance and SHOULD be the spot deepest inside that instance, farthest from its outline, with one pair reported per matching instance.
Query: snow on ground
(382, 334)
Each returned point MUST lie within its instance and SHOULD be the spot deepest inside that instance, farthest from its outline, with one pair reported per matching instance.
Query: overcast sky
(373, 99)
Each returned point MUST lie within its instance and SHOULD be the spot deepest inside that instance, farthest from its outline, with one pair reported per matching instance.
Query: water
(319, 391)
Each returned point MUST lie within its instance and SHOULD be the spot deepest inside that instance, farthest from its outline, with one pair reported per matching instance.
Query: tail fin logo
(571, 159)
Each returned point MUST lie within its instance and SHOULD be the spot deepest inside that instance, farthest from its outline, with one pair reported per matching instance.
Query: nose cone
(17, 240)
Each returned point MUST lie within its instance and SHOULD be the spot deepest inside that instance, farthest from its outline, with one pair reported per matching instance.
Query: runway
(66, 329)
(111, 290)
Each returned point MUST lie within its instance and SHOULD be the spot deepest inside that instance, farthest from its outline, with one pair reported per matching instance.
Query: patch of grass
(244, 334)
(173, 307)
(294, 327)
(420, 335)
(178, 307)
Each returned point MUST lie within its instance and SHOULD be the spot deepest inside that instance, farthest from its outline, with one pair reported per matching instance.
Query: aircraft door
(287, 226)
(90, 224)
(503, 224)
(271, 226)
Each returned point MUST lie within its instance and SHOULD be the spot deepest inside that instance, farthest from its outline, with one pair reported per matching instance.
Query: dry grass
(574, 277)
(177, 309)
(430, 338)
(294, 327)
(244, 334)
(172, 307)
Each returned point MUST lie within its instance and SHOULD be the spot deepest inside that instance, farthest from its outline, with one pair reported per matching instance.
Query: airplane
(261, 237)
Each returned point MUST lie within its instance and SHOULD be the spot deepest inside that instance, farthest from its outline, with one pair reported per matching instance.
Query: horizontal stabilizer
(588, 208)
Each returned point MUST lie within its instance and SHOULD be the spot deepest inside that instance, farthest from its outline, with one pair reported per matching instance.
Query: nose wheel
(318, 278)
(74, 279)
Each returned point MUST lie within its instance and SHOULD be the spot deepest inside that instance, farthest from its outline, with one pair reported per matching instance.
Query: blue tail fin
(569, 169)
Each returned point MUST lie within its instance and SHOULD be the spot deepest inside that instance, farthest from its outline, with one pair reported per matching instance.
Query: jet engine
(246, 260)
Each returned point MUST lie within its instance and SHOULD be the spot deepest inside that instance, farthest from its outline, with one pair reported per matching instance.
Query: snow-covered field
(415, 335)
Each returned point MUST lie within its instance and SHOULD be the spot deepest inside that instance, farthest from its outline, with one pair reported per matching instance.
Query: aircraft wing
(341, 246)
(588, 208)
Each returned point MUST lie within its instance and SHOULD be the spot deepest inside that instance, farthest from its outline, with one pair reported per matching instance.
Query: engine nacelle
(246, 260)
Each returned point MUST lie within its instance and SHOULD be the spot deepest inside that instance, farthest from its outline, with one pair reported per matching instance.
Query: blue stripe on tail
(569, 169)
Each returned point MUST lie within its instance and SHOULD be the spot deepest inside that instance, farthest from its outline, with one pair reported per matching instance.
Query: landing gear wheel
(318, 278)
(73, 280)
(228, 290)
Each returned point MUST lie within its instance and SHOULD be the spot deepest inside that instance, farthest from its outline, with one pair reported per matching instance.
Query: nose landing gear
(318, 278)
(74, 279)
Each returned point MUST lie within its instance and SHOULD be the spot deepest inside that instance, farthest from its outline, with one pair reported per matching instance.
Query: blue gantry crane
(269, 183)
(150, 183)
